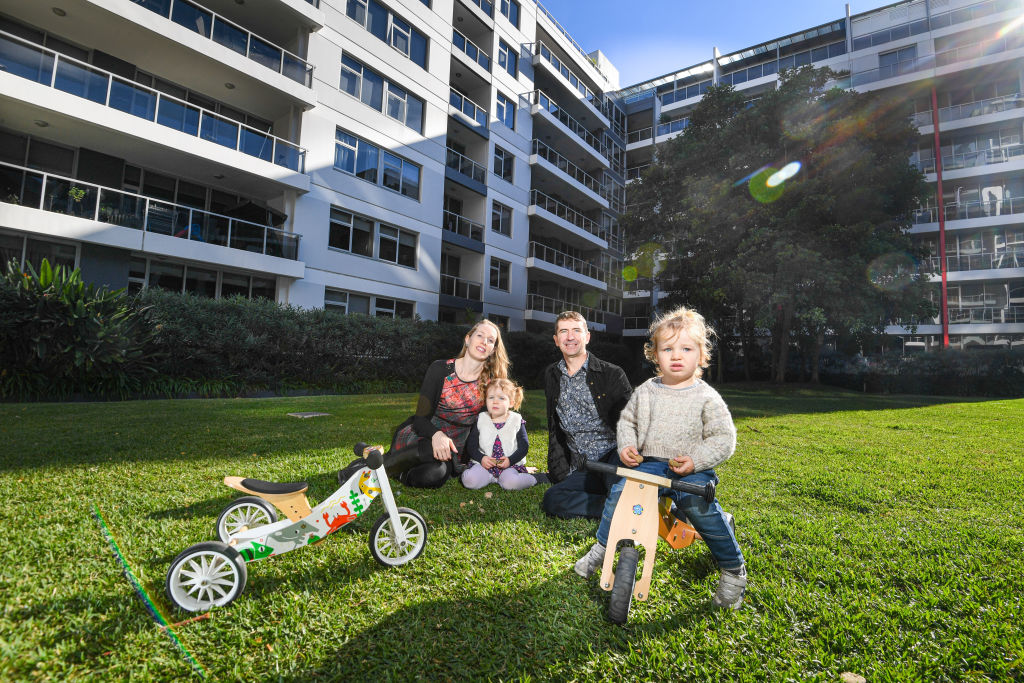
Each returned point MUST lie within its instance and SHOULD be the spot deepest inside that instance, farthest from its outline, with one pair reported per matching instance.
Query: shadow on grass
(766, 400)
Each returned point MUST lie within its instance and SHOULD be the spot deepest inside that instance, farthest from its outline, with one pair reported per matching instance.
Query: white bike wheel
(206, 575)
(384, 545)
(247, 512)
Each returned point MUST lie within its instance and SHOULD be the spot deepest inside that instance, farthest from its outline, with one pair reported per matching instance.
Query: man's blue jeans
(708, 519)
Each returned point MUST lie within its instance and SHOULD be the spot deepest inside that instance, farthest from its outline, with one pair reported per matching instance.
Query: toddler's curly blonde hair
(668, 325)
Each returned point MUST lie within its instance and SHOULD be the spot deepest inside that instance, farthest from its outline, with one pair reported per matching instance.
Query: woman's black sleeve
(430, 394)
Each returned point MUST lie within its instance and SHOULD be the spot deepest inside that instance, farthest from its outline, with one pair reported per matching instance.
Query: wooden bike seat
(289, 498)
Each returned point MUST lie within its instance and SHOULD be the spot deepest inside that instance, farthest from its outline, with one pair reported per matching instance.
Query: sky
(648, 38)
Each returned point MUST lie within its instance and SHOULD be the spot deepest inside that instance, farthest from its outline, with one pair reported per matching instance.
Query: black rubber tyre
(245, 512)
(622, 589)
(205, 575)
(382, 545)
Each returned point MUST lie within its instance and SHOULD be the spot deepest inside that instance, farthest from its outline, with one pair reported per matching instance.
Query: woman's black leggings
(415, 466)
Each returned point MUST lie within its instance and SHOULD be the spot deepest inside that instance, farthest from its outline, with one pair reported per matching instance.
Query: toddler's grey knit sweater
(662, 423)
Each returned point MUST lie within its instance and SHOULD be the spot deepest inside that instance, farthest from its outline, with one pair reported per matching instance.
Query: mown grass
(882, 534)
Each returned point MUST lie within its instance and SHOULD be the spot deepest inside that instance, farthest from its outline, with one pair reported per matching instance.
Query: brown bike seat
(274, 488)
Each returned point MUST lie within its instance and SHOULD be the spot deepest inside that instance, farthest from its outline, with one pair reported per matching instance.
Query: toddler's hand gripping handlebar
(705, 491)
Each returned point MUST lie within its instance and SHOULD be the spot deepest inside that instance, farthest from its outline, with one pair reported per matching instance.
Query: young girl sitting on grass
(676, 426)
(497, 444)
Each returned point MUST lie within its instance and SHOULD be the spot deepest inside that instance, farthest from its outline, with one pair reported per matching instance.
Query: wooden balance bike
(639, 519)
(212, 574)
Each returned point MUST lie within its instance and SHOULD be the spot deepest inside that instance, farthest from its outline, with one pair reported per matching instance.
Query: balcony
(543, 304)
(484, 6)
(984, 314)
(545, 103)
(635, 136)
(52, 69)
(543, 54)
(570, 169)
(558, 258)
(636, 172)
(953, 162)
(992, 105)
(469, 48)
(460, 225)
(568, 214)
(565, 34)
(465, 171)
(980, 261)
(971, 209)
(210, 25)
(460, 288)
(468, 108)
(672, 127)
(59, 194)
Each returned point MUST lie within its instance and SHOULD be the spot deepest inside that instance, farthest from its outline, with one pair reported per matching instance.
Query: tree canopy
(789, 215)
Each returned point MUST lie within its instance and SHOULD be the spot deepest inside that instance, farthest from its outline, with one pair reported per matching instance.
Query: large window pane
(392, 167)
(373, 90)
(201, 282)
(362, 236)
(411, 180)
(377, 23)
(169, 276)
(366, 162)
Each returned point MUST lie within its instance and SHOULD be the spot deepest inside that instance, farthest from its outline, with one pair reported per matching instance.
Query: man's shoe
(588, 564)
(731, 587)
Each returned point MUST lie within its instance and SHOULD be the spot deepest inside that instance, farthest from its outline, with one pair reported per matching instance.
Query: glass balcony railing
(635, 172)
(572, 41)
(563, 260)
(567, 167)
(676, 126)
(210, 25)
(575, 82)
(567, 213)
(544, 304)
(971, 209)
(58, 194)
(471, 50)
(485, 6)
(969, 109)
(465, 165)
(984, 157)
(639, 135)
(981, 261)
(29, 61)
(574, 126)
(468, 107)
(983, 314)
(460, 225)
(456, 286)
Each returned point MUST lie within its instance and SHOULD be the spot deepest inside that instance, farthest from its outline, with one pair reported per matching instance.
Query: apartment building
(971, 54)
(433, 158)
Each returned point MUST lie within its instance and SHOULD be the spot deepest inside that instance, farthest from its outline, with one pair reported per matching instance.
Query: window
(349, 302)
(503, 163)
(351, 233)
(370, 88)
(506, 111)
(367, 161)
(510, 8)
(396, 246)
(897, 62)
(508, 59)
(501, 219)
(499, 274)
(390, 28)
(391, 308)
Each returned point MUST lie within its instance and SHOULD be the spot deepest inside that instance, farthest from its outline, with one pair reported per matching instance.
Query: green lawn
(883, 537)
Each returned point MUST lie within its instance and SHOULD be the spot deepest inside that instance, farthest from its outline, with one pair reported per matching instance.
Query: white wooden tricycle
(640, 518)
(213, 573)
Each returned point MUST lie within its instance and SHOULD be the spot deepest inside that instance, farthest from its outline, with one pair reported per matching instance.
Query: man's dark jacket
(611, 391)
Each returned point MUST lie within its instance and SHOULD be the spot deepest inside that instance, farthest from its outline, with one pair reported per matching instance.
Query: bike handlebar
(705, 491)
(374, 459)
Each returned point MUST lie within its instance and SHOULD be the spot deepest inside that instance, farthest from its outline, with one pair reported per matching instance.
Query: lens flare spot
(892, 272)
(759, 188)
(783, 174)
(1016, 23)
(629, 273)
(590, 299)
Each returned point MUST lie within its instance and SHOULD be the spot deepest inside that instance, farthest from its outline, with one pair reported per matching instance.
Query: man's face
(572, 337)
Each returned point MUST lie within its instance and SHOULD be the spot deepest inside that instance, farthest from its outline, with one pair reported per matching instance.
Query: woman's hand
(443, 446)
(681, 465)
(630, 456)
(487, 462)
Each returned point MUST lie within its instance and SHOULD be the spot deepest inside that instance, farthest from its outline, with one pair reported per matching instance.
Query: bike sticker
(638, 509)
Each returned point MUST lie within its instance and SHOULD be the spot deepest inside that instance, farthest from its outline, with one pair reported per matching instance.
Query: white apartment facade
(972, 53)
(437, 158)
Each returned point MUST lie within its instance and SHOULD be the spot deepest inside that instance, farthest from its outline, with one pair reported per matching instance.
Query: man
(584, 398)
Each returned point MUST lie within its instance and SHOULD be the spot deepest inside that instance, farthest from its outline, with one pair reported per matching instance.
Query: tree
(789, 215)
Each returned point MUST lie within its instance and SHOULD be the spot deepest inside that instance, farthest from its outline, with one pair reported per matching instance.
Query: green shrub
(59, 336)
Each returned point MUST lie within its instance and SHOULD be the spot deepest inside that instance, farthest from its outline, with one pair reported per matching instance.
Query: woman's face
(481, 342)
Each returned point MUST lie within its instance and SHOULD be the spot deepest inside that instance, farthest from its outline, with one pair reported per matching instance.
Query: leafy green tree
(788, 215)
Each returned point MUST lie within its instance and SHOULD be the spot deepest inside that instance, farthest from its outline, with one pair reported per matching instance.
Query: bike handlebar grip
(375, 459)
(707, 491)
(359, 448)
(598, 466)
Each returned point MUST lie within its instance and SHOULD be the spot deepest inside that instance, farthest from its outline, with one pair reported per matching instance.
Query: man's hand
(681, 465)
(630, 456)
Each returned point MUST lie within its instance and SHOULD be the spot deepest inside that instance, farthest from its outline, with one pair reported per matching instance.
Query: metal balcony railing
(50, 68)
(471, 50)
(567, 213)
(635, 172)
(981, 261)
(676, 126)
(567, 167)
(971, 209)
(571, 40)
(209, 24)
(461, 225)
(468, 107)
(563, 260)
(59, 194)
(984, 157)
(574, 126)
(964, 111)
(575, 82)
(456, 286)
(984, 314)
(983, 48)
(465, 165)
(639, 135)
(544, 304)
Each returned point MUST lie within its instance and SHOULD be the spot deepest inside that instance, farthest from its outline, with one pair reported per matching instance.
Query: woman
(428, 448)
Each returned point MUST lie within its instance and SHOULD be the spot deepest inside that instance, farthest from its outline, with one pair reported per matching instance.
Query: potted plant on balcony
(75, 196)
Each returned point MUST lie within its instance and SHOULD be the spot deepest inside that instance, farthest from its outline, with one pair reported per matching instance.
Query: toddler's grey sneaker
(588, 564)
(731, 587)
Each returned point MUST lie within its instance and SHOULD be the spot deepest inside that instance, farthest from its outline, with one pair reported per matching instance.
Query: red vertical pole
(942, 219)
